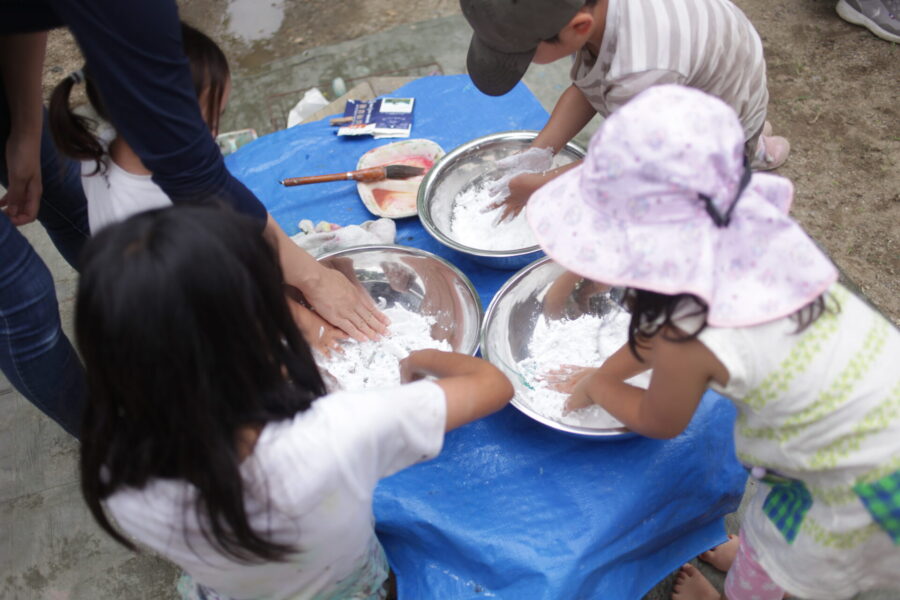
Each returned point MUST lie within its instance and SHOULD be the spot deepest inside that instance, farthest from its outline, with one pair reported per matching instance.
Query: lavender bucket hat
(665, 202)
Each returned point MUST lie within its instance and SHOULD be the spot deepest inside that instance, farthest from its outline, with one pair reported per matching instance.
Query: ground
(834, 94)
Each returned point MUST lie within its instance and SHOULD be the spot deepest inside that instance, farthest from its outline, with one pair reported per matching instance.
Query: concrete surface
(51, 548)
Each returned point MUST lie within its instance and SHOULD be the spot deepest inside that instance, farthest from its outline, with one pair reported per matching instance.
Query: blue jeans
(35, 354)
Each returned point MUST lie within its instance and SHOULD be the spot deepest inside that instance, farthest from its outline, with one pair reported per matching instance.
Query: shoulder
(346, 415)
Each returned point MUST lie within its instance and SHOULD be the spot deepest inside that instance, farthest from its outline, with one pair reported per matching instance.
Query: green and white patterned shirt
(821, 409)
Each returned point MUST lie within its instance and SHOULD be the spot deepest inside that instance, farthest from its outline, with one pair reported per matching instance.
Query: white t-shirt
(113, 194)
(318, 472)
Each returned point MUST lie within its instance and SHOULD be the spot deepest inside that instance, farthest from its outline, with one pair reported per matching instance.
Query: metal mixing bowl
(460, 169)
(420, 282)
(511, 318)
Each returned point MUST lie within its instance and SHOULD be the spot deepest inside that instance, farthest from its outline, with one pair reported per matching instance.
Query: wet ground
(834, 93)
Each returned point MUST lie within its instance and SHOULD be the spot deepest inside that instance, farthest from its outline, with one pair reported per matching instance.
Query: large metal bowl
(510, 321)
(420, 282)
(458, 170)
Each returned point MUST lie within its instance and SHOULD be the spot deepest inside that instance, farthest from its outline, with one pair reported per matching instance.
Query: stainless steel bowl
(511, 318)
(458, 170)
(420, 282)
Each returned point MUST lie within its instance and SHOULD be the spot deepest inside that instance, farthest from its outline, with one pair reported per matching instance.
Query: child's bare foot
(722, 556)
(692, 585)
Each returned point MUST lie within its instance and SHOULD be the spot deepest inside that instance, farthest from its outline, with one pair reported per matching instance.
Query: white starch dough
(471, 226)
(376, 364)
(586, 341)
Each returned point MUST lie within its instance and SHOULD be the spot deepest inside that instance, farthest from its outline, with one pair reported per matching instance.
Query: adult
(35, 355)
(135, 53)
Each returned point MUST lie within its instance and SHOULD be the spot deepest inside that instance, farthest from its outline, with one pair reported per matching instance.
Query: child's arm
(474, 388)
(623, 364)
(571, 113)
(620, 366)
(681, 374)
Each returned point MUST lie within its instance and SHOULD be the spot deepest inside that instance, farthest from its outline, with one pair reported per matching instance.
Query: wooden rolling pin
(366, 175)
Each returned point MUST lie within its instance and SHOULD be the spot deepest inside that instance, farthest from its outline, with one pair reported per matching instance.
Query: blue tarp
(512, 509)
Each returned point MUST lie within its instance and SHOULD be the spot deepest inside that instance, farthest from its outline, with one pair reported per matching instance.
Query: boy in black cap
(621, 47)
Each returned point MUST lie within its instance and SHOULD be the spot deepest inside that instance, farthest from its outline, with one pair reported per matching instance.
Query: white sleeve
(732, 348)
(380, 432)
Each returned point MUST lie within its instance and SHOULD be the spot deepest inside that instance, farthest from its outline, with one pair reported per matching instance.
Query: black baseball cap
(507, 34)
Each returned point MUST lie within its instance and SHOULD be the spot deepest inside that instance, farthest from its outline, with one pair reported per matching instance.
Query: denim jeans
(35, 354)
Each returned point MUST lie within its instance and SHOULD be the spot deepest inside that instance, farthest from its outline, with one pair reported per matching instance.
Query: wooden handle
(366, 175)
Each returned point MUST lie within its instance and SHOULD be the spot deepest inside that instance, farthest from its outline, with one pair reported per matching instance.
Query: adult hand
(345, 305)
(321, 335)
(23, 159)
(21, 65)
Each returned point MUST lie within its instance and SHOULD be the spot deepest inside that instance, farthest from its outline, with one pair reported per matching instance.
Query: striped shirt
(705, 44)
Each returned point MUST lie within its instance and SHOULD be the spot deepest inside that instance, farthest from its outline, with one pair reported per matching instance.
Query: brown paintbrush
(365, 175)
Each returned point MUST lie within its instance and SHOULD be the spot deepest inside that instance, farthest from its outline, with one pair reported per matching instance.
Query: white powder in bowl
(586, 341)
(471, 226)
(374, 364)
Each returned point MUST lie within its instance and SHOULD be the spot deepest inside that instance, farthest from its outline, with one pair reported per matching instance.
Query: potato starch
(586, 341)
(374, 364)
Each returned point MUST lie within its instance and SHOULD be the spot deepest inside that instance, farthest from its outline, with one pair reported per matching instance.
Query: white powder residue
(472, 226)
(374, 364)
(586, 341)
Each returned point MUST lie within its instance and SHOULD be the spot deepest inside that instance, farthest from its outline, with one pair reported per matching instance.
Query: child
(117, 185)
(621, 48)
(115, 181)
(208, 437)
(726, 291)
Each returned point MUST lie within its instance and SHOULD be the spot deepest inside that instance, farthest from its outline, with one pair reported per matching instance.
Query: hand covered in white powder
(518, 191)
(530, 161)
(566, 377)
(519, 177)
(579, 398)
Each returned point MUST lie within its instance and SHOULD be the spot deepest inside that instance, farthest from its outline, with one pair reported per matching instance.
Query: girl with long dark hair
(726, 291)
(208, 436)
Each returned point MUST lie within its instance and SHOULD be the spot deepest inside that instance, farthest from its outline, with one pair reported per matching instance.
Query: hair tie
(717, 217)
(77, 76)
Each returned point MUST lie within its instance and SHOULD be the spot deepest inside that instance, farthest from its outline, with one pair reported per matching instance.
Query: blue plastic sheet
(512, 509)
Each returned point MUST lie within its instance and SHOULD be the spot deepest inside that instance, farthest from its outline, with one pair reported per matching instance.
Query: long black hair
(652, 313)
(74, 134)
(186, 336)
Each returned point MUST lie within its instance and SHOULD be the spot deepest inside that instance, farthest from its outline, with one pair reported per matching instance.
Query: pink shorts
(747, 580)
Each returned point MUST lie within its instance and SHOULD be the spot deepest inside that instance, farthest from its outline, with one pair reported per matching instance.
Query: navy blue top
(135, 53)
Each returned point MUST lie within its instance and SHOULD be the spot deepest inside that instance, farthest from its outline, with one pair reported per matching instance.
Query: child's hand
(321, 335)
(566, 377)
(579, 398)
(412, 367)
(520, 189)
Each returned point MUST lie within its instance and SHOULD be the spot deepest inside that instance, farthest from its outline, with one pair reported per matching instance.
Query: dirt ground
(834, 94)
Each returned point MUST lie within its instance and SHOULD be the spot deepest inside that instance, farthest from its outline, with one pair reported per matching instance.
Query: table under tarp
(512, 509)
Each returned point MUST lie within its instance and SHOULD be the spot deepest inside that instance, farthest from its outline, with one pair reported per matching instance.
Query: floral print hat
(665, 202)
